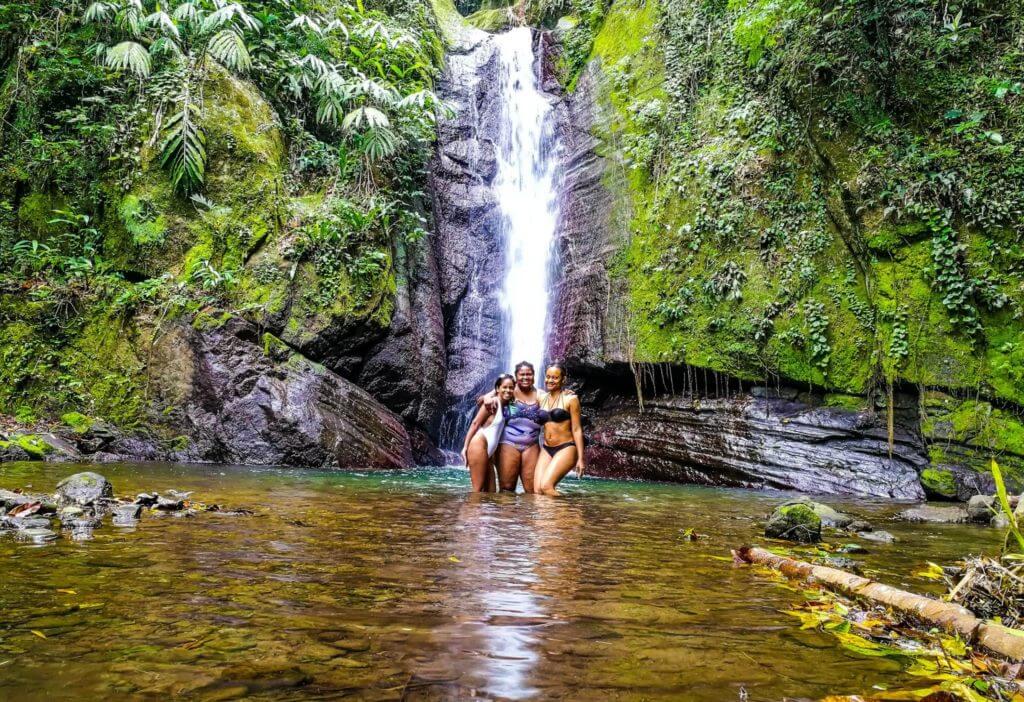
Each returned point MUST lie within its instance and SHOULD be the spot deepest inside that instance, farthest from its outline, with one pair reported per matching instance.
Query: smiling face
(553, 379)
(507, 390)
(524, 378)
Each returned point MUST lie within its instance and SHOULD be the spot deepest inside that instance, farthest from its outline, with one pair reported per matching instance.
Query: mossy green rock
(33, 445)
(77, 421)
(939, 483)
(794, 522)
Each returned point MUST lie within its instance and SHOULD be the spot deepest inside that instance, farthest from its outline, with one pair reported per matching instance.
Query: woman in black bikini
(563, 434)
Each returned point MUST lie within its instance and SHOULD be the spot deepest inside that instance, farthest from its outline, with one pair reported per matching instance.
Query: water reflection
(399, 586)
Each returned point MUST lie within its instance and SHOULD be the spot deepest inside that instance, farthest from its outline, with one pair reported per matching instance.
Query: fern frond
(378, 143)
(98, 12)
(230, 13)
(365, 116)
(187, 12)
(378, 92)
(162, 21)
(183, 154)
(305, 22)
(336, 26)
(129, 19)
(228, 47)
(129, 56)
(315, 65)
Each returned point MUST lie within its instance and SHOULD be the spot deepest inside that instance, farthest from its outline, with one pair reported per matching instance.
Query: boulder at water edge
(794, 522)
(83, 489)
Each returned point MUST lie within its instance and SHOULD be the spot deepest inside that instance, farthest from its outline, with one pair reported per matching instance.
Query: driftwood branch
(953, 618)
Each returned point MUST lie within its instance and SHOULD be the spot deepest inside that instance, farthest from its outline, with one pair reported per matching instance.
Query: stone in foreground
(83, 489)
(794, 522)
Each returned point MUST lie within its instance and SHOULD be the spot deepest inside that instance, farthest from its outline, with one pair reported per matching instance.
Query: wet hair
(525, 364)
(502, 378)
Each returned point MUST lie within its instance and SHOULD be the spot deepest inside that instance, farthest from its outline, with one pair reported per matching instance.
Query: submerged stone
(36, 535)
(794, 522)
(879, 536)
(127, 515)
(934, 514)
(83, 489)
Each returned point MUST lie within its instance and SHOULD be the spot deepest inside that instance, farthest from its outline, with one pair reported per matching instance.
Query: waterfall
(526, 188)
(495, 180)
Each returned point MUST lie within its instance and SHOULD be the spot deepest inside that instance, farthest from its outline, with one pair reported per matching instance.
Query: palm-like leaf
(130, 56)
(336, 26)
(378, 143)
(378, 92)
(129, 19)
(162, 21)
(228, 47)
(187, 12)
(183, 154)
(365, 116)
(315, 65)
(306, 23)
(230, 13)
(98, 12)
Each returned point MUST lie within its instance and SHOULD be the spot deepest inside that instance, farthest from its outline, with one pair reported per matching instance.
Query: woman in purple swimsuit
(519, 447)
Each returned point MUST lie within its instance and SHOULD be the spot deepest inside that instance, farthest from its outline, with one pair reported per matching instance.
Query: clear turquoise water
(402, 586)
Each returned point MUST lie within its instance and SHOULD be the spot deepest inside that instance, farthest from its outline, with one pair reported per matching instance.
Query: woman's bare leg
(509, 466)
(529, 467)
(557, 468)
(492, 468)
(479, 463)
(543, 459)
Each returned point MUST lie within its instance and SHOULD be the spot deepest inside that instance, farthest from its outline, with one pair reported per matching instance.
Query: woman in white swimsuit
(485, 433)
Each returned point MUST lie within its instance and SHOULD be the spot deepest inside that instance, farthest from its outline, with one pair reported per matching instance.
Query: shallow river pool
(402, 586)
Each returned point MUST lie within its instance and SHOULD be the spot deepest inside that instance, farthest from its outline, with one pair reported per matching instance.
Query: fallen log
(953, 618)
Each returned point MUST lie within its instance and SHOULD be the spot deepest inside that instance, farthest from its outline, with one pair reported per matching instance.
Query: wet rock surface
(246, 398)
(935, 514)
(83, 489)
(748, 441)
(794, 522)
(88, 500)
(467, 242)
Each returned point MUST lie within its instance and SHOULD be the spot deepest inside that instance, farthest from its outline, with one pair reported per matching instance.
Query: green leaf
(130, 56)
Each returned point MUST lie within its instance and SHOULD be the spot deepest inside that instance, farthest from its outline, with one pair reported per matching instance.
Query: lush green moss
(33, 445)
(938, 482)
(77, 421)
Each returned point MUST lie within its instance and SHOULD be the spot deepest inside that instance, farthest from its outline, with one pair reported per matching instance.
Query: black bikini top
(558, 414)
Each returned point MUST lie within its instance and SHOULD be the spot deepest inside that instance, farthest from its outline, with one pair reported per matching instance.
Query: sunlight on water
(526, 187)
(402, 586)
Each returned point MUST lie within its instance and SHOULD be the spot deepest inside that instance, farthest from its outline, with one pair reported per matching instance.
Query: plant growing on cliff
(179, 45)
(817, 333)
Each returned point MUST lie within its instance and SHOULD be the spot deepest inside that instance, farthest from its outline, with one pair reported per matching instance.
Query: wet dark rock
(935, 514)
(127, 515)
(794, 522)
(752, 442)
(241, 405)
(84, 522)
(851, 548)
(878, 536)
(980, 508)
(829, 516)
(31, 522)
(146, 499)
(13, 452)
(36, 534)
(841, 563)
(467, 242)
(999, 521)
(9, 499)
(83, 489)
(859, 525)
(167, 504)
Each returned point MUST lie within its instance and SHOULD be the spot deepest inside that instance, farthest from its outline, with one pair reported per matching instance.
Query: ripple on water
(401, 585)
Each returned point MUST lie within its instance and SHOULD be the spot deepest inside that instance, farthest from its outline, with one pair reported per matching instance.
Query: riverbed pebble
(878, 536)
(935, 514)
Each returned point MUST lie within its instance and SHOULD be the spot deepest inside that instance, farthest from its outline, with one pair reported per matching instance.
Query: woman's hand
(580, 468)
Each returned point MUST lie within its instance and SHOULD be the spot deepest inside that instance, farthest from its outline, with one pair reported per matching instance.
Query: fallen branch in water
(953, 618)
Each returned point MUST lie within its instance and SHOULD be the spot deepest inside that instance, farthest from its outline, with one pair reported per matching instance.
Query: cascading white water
(526, 187)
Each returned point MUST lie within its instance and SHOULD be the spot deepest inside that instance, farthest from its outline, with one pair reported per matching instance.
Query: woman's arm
(577, 435)
(481, 416)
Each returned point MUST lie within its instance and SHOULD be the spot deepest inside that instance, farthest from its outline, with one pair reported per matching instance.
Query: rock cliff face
(759, 442)
(467, 242)
(243, 397)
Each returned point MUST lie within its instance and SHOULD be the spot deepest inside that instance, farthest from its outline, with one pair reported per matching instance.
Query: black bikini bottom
(552, 450)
